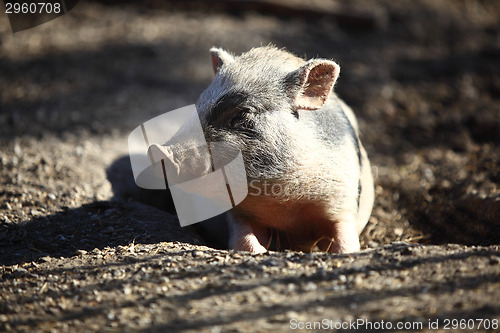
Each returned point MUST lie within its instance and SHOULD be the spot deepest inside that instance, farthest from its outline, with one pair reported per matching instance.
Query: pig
(309, 178)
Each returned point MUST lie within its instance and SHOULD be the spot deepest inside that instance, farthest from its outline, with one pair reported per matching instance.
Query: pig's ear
(315, 82)
(219, 57)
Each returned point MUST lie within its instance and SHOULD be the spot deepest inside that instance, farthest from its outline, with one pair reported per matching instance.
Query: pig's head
(254, 103)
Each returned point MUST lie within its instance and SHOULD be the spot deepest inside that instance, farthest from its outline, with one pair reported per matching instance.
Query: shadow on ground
(97, 91)
(96, 225)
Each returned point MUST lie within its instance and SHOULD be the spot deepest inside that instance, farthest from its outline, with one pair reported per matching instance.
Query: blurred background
(423, 77)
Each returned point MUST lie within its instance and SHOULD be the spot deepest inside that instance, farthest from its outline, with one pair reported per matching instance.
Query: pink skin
(299, 226)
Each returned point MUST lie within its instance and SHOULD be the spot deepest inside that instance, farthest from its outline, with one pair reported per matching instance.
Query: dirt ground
(82, 249)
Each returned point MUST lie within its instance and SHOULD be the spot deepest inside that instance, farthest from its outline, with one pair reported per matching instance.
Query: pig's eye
(239, 118)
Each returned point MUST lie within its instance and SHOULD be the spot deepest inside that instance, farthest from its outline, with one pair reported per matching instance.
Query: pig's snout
(158, 153)
(181, 163)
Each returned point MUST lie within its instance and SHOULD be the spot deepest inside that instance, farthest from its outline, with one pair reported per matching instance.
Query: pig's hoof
(249, 243)
(342, 246)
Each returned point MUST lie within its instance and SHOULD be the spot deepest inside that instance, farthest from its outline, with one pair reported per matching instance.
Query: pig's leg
(246, 236)
(340, 235)
(367, 193)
